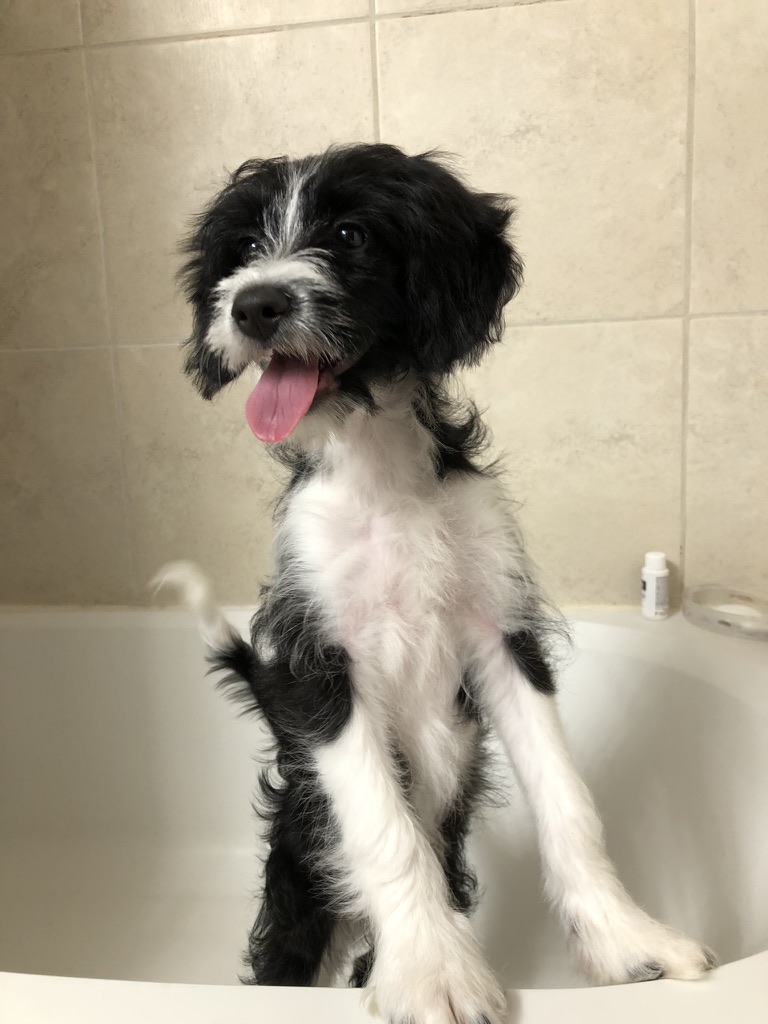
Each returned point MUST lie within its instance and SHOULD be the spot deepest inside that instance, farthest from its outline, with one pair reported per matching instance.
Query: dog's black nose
(258, 310)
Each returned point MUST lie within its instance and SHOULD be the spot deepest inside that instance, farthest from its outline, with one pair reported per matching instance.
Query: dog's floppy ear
(204, 367)
(211, 253)
(461, 267)
(203, 268)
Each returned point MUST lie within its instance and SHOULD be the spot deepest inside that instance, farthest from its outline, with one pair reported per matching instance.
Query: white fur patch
(284, 221)
(300, 273)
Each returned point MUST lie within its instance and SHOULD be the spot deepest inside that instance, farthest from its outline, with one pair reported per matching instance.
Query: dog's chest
(384, 567)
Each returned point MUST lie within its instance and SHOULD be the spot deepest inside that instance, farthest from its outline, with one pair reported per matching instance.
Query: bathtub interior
(129, 849)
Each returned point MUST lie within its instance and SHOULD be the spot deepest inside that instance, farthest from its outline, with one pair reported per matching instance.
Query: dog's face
(340, 271)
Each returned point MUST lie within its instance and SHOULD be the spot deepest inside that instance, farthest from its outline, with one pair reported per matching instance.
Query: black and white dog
(403, 620)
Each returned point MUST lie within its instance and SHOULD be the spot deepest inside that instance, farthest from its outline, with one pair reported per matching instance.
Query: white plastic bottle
(654, 599)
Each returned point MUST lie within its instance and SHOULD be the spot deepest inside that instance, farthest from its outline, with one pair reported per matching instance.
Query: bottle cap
(656, 561)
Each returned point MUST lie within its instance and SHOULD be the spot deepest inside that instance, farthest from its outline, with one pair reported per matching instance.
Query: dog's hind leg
(361, 972)
(296, 921)
(462, 881)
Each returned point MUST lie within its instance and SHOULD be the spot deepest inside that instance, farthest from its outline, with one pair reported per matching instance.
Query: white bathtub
(129, 848)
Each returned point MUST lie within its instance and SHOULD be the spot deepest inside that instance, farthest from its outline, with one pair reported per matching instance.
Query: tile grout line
(93, 348)
(513, 324)
(580, 321)
(688, 257)
(124, 496)
(728, 314)
(660, 318)
(489, 5)
(374, 71)
(284, 27)
(189, 37)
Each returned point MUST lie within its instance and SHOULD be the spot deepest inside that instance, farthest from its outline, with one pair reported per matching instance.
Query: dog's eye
(249, 247)
(351, 236)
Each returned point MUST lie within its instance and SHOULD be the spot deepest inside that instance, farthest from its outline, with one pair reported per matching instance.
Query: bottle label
(654, 596)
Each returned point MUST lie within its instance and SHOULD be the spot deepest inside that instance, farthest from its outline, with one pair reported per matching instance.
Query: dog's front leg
(614, 939)
(427, 968)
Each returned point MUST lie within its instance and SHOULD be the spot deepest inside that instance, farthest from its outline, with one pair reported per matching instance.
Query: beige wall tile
(111, 20)
(200, 485)
(38, 24)
(578, 110)
(171, 117)
(51, 270)
(727, 453)
(589, 418)
(62, 523)
(730, 171)
(395, 6)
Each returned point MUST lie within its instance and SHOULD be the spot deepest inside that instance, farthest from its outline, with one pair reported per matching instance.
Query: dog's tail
(230, 652)
(194, 589)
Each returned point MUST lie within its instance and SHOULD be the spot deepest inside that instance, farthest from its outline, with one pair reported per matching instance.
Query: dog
(403, 622)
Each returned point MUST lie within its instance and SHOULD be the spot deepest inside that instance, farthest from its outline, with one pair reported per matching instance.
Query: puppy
(403, 620)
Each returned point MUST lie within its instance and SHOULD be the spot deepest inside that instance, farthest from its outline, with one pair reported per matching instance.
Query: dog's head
(340, 271)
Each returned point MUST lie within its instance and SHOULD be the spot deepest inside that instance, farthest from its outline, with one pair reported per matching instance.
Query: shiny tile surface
(51, 267)
(62, 517)
(588, 418)
(578, 108)
(579, 111)
(727, 457)
(730, 166)
(112, 20)
(38, 24)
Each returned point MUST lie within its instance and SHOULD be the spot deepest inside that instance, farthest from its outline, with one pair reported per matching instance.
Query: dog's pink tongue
(283, 395)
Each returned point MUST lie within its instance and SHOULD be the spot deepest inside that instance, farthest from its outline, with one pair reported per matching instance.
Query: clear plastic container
(722, 609)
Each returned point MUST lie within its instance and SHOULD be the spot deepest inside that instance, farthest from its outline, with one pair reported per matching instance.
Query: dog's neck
(388, 450)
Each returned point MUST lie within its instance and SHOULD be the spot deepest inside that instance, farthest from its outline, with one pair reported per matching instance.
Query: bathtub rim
(46, 999)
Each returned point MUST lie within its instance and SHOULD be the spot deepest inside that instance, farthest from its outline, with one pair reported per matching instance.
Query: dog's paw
(442, 981)
(634, 947)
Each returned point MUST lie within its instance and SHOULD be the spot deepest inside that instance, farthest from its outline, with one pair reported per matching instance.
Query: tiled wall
(632, 392)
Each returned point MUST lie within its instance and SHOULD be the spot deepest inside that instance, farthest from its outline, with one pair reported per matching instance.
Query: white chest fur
(402, 564)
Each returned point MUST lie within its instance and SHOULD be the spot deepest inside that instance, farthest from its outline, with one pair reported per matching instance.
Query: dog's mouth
(287, 389)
